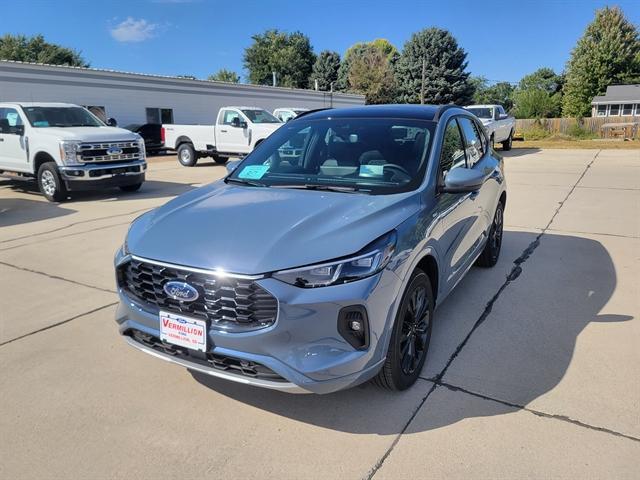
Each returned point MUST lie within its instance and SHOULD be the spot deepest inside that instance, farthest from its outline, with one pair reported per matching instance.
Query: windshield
(260, 116)
(365, 155)
(482, 112)
(298, 112)
(41, 117)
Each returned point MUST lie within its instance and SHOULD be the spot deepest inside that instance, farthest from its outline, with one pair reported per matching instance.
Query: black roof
(420, 112)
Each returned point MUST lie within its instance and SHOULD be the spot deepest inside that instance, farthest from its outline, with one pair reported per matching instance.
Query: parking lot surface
(532, 371)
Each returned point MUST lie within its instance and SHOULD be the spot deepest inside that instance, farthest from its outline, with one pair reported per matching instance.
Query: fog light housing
(353, 326)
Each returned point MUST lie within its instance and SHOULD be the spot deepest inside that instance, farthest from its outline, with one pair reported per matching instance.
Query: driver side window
(452, 154)
(229, 115)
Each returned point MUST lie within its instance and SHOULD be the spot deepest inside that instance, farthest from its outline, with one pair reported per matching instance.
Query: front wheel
(50, 183)
(489, 256)
(187, 155)
(410, 337)
(508, 143)
(220, 160)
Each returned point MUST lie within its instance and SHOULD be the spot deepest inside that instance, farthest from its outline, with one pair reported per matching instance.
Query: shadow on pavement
(532, 352)
(16, 211)
(518, 152)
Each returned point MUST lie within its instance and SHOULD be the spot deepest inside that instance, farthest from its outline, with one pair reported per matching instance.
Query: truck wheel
(492, 141)
(187, 155)
(131, 188)
(50, 183)
(506, 145)
(220, 160)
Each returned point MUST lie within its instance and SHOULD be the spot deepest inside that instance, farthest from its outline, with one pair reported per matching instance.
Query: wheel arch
(40, 158)
(181, 140)
(429, 265)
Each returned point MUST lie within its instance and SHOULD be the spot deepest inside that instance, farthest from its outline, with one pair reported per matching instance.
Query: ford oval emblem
(181, 291)
(114, 151)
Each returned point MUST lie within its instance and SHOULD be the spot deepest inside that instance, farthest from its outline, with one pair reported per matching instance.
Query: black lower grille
(232, 365)
(230, 304)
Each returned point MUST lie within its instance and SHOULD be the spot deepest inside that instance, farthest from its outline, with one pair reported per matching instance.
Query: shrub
(576, 131)
(536, 132)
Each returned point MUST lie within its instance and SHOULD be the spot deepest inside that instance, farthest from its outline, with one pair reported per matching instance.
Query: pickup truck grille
(99, 152)
(230, 304)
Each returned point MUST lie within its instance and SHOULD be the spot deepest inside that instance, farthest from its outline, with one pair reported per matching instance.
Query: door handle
(223, 131)
(1, 139)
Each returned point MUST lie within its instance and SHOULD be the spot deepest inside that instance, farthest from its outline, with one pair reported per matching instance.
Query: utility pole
(331, 94)
(424, 66)
(274, 79)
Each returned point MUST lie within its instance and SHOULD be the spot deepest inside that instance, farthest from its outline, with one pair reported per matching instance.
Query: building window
(602, 111)
(159, 115)
(627, 109)
(637, 109)
(614, 110)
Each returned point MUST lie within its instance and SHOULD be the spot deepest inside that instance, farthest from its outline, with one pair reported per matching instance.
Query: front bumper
(89, 177)
(303, 347)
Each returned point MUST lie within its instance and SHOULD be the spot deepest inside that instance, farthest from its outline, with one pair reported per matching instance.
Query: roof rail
(443, 109)
(312, 111)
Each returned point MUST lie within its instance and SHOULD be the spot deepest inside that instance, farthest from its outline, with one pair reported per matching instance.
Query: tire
(50, 184)
(187, 155)
(411, 332)
(491, 252)
(131, 188)
(220, 160)
(508, 143)
(492, 141)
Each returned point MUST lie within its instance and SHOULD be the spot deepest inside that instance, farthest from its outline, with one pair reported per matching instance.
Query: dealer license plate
(183, 331)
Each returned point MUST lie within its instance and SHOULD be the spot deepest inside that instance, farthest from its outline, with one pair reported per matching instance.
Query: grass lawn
(598, 144)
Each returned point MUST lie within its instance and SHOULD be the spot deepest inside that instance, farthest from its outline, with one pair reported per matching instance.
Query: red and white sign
(183, 331)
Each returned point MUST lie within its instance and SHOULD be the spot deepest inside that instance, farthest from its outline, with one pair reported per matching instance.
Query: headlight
(141, 147)
(372, 259)
(69, 152)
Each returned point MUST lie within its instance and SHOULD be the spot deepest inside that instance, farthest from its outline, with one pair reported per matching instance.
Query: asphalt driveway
(532, 372)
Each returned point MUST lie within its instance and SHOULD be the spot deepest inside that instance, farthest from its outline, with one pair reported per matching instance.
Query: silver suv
(318, 262)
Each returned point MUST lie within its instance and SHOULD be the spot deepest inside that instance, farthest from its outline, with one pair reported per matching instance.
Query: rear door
(13, 143)
(230, 138)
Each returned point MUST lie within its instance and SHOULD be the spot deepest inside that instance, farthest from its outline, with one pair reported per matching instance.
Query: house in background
(619, 100)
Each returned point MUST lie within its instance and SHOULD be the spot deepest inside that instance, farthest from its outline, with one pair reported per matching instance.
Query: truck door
(232, 132)
(13, 145)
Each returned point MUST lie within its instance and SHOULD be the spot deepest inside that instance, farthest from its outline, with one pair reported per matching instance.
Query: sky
(504, 40)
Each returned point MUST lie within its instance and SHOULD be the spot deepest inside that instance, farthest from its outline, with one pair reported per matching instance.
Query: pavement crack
(538, 413)
(57, 324)
(56, 277)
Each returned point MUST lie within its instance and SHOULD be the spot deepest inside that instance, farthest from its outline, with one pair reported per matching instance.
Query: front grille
(232, 365)
(97, 152)
(230, 304)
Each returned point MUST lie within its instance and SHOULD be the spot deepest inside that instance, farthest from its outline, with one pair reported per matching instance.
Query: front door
(229, 137)
(13, 147)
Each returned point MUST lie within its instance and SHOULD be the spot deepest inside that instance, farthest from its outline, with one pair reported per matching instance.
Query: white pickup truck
(498, 124)
(238, 130)
(288, 113)
(66, 148)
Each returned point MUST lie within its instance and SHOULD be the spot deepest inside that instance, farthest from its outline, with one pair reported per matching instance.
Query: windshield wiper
(326, 188)
(240, 181)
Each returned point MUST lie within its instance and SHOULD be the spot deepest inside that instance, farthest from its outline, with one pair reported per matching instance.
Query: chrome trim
(217, 273)
(103, 146)
(88, 168)
(257, 382)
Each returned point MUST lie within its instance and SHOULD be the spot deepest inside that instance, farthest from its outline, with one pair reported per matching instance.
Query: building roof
(619, 94)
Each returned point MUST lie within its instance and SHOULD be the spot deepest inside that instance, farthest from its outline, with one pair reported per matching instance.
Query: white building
(619, 100)
(140, 98)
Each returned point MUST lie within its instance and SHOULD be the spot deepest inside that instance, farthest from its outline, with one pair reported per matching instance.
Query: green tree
(361, 49)
(36, 50)
(224, 75)
(543, 79)
(289, 55)
(536, 103)
(432, 69)
(607, 53)
(371, 74)
(500, 93)
(325, 70)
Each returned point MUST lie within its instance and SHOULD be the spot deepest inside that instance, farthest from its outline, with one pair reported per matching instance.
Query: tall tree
(607, 53)
(290, 56)
(371, 74)
(539, 95)
(500, 93)
(36, 50)
(224, 75)
(433, 69)
(543, 79)
(325, 70)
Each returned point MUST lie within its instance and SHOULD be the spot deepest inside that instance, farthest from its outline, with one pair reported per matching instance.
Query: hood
(89, 134)
(265, 128)
(254, 230)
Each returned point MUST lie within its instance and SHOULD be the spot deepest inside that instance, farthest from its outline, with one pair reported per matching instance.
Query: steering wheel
(396, 169)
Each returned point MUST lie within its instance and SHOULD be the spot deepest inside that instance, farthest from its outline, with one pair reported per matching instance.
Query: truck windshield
(355, 155)
(260, 116)
(482, 112)
(298, 112)
(42, 117)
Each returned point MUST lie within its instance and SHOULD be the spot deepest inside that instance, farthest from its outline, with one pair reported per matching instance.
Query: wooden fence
(561, 125)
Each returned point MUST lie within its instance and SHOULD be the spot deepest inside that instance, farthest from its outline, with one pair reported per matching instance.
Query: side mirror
(463, 180)
(232, 165)
(112, 122)
(502, 116)
(237, 123)
(18, 130)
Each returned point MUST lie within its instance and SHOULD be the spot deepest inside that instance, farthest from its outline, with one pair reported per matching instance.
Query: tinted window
(260, 116)
(370, 155)
(473, 145)
(9, 119)
(41, 117)
(482, 112)
(452, 153)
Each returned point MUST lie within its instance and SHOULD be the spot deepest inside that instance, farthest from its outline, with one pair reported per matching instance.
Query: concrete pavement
(532, 370)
